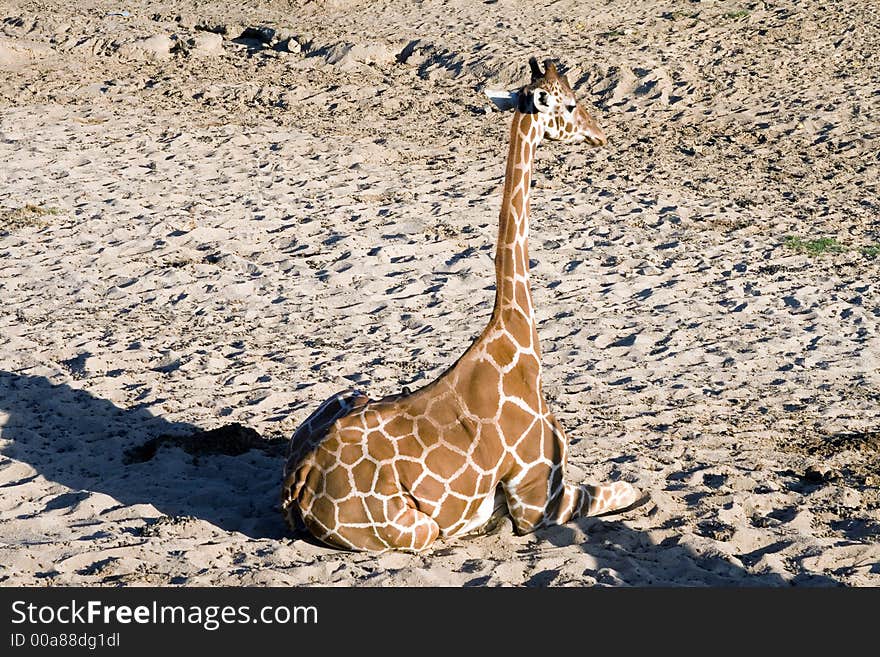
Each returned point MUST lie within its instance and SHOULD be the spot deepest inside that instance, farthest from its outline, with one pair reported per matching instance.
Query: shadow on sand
(89, 444)
(638, 561)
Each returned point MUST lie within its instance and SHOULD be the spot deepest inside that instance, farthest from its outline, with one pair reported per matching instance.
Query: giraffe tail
(309, 434)
(326, 414)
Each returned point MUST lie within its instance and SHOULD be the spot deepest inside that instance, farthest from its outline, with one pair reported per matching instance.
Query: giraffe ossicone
(397, 472)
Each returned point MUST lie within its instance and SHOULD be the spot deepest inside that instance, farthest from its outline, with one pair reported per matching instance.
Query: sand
(213, 214)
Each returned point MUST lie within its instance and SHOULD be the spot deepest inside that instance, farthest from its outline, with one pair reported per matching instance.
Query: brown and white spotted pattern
(398, 472)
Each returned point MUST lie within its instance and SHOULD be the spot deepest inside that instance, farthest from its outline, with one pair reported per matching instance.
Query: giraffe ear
(543, 100)
(503, 100)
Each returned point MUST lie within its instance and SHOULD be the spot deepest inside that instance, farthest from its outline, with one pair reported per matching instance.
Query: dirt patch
(27, 216)
(231, 439)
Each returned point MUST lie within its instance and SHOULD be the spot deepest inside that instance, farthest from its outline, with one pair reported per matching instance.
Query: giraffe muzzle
(596, 138)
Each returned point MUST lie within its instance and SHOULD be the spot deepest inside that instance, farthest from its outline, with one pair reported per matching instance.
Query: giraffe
(480, 440)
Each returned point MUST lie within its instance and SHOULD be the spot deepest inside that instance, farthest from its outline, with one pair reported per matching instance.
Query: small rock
(227, 30)
(96, 365)
(169, 362)
(348, 55)
(215, 28)
(206, 43)
(819, 475)
(16, 53)
(157, 46)
(413, 54)
(288, 45)
(850, 498)
(261, 33)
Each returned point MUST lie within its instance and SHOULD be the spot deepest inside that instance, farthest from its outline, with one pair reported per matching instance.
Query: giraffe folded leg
(590, 500)
(532, 506)
(411, 531)
(601, 499)
(408, 529)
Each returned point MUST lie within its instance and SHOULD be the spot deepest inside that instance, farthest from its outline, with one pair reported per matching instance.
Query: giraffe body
(398, 472)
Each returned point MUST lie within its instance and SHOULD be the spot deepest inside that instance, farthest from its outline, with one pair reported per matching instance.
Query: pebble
(206, 43)
(819, 474)
(157, 46)
(347, 55)
(261, 33)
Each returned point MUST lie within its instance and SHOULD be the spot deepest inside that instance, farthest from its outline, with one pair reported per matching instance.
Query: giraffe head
(550, 99)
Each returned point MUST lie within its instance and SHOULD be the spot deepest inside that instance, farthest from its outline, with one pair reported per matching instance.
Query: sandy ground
(212, 214)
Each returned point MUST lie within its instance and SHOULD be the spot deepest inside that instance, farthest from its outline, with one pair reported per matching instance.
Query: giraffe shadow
(625, 556)
(89, 444)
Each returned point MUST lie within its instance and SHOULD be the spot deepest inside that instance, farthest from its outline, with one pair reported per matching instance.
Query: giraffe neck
(506, 354)
(512, 292)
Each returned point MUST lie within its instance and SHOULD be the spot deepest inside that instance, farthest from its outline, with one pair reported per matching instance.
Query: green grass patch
(814, 247)
(739, 13)
(26, 216)
(679, 15)
(871, 251)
